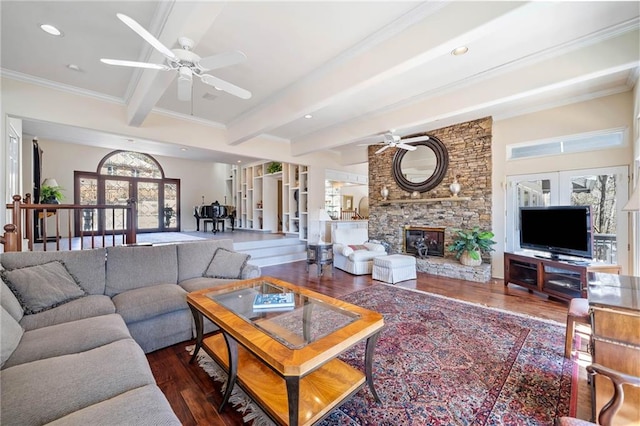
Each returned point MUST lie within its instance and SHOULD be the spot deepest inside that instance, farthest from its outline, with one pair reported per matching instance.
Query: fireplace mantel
(424, 200)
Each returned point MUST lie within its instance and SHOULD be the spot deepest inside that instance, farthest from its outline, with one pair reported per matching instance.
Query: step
(273, 252)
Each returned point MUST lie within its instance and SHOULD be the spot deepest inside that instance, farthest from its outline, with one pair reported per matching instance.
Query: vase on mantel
(384, 192)
(455, 187)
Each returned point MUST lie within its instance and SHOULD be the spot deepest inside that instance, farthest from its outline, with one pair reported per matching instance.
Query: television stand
(561, 279)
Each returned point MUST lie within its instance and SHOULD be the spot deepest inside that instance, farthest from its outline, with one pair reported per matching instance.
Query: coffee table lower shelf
(320, 391)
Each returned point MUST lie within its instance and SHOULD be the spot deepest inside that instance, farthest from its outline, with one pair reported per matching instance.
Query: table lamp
(323, 217)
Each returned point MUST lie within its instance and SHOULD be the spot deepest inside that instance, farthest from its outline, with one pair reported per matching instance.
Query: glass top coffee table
(285, 358)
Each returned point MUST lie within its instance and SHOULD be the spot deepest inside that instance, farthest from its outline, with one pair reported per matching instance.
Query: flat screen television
(557, 230)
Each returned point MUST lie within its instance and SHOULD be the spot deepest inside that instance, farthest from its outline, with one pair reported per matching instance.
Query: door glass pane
(115, 192)
(533, 193)
(529, 193)
(148, 214)
(599, 192)
(170, 203)
(88, 195)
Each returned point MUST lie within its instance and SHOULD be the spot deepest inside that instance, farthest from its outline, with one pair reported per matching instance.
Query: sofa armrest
(250, 271)
(342, 249)
(374, 247)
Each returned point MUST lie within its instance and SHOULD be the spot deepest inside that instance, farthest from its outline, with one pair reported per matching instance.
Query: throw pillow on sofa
(42, 287)
(10, 334)
(226, 264)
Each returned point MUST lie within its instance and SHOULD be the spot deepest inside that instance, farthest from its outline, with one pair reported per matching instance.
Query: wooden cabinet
(614, 302)
(560, 279)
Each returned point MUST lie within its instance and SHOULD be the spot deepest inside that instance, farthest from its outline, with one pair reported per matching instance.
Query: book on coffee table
(274, 301)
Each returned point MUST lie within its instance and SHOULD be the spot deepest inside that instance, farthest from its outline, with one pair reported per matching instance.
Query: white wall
(609, 112)
(197, 179)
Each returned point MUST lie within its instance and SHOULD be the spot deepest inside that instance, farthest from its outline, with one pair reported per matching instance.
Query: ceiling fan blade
(405, 146)
(221, 60)
(135, 64)
(382, 149)
(185, 82)
(147, 36)
(225, 86)
(415, 139)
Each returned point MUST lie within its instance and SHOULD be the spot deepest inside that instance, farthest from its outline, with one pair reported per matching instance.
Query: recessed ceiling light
(50, 29)
(183, 149)
(239, 161)
(308, 116)
(131, 141)
(73, 67)
(460, 50)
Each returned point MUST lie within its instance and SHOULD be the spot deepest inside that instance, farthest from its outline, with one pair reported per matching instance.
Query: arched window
(122, 176)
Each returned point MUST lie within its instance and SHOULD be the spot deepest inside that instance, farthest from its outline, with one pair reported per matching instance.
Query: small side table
(320, 254)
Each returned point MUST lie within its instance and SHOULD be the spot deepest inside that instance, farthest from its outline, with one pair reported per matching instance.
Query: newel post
(131, 224)
(10, 238)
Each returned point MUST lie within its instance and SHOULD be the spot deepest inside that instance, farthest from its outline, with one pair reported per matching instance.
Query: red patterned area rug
(440, 361)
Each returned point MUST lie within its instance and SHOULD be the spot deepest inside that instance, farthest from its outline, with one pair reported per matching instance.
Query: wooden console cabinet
(614, 302)
(559, 279)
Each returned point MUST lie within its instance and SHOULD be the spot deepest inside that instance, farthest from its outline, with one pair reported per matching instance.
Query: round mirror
(422, 169)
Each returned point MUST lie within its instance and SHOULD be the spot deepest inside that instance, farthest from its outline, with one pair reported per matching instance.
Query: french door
(604, 189)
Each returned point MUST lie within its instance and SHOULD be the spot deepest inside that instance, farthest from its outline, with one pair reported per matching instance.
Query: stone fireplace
(433, 239)
(469, 148)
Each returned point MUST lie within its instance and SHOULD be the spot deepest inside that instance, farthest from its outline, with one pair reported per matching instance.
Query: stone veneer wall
(469, 147)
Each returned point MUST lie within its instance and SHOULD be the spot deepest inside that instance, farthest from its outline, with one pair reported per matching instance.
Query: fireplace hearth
(433, 237)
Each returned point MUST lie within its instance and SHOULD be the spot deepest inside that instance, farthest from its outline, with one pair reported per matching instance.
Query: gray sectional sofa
(76, 326)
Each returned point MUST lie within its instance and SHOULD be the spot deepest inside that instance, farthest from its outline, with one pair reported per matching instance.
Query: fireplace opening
(432, 237)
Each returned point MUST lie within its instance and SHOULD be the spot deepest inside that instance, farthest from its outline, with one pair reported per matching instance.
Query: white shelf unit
(274, 202)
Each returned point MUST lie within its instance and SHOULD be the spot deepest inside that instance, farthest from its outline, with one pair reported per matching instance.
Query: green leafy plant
(274, 167)
(51, 193)
(474, 241)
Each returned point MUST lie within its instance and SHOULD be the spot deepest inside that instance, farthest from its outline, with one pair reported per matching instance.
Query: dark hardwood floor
(194, 396)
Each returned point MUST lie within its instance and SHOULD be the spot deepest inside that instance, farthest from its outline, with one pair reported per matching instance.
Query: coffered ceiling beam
(576, 68)
(374, 61)
(189, 19)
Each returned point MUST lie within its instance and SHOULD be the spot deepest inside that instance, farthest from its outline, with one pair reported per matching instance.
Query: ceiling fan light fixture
(50, 29)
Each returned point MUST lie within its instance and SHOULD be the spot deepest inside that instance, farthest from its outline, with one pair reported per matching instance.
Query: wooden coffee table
(286, 359)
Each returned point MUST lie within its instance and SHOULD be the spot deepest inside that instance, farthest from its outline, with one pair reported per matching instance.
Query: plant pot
(467, 260)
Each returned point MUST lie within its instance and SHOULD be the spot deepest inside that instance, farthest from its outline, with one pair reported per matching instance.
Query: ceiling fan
(185, 62)
(391, 140)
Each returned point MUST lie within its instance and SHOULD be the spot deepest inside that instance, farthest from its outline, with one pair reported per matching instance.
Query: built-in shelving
(262, 208)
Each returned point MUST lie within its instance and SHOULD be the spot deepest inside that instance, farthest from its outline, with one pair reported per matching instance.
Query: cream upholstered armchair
(353, 253)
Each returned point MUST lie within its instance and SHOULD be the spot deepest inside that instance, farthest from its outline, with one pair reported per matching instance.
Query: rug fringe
(252, 413)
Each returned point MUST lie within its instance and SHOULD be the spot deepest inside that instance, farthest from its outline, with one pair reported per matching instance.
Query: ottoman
(394, 268)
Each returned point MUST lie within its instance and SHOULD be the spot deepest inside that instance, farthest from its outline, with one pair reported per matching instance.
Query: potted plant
(51, 194)
(274, 167)
(468, 244)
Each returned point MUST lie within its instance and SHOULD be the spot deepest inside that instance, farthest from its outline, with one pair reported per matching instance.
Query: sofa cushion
(358, 247)
(194, 257)
(195, 284)
(41, 391)
(68, 338)
(148, 302)
(348, 236)
(10, 334)
(42, 287)
(85, 307)
(226, 264)
(365, 255)
(124, 271)
(9, 301)
(86, 266)
(143, 406)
